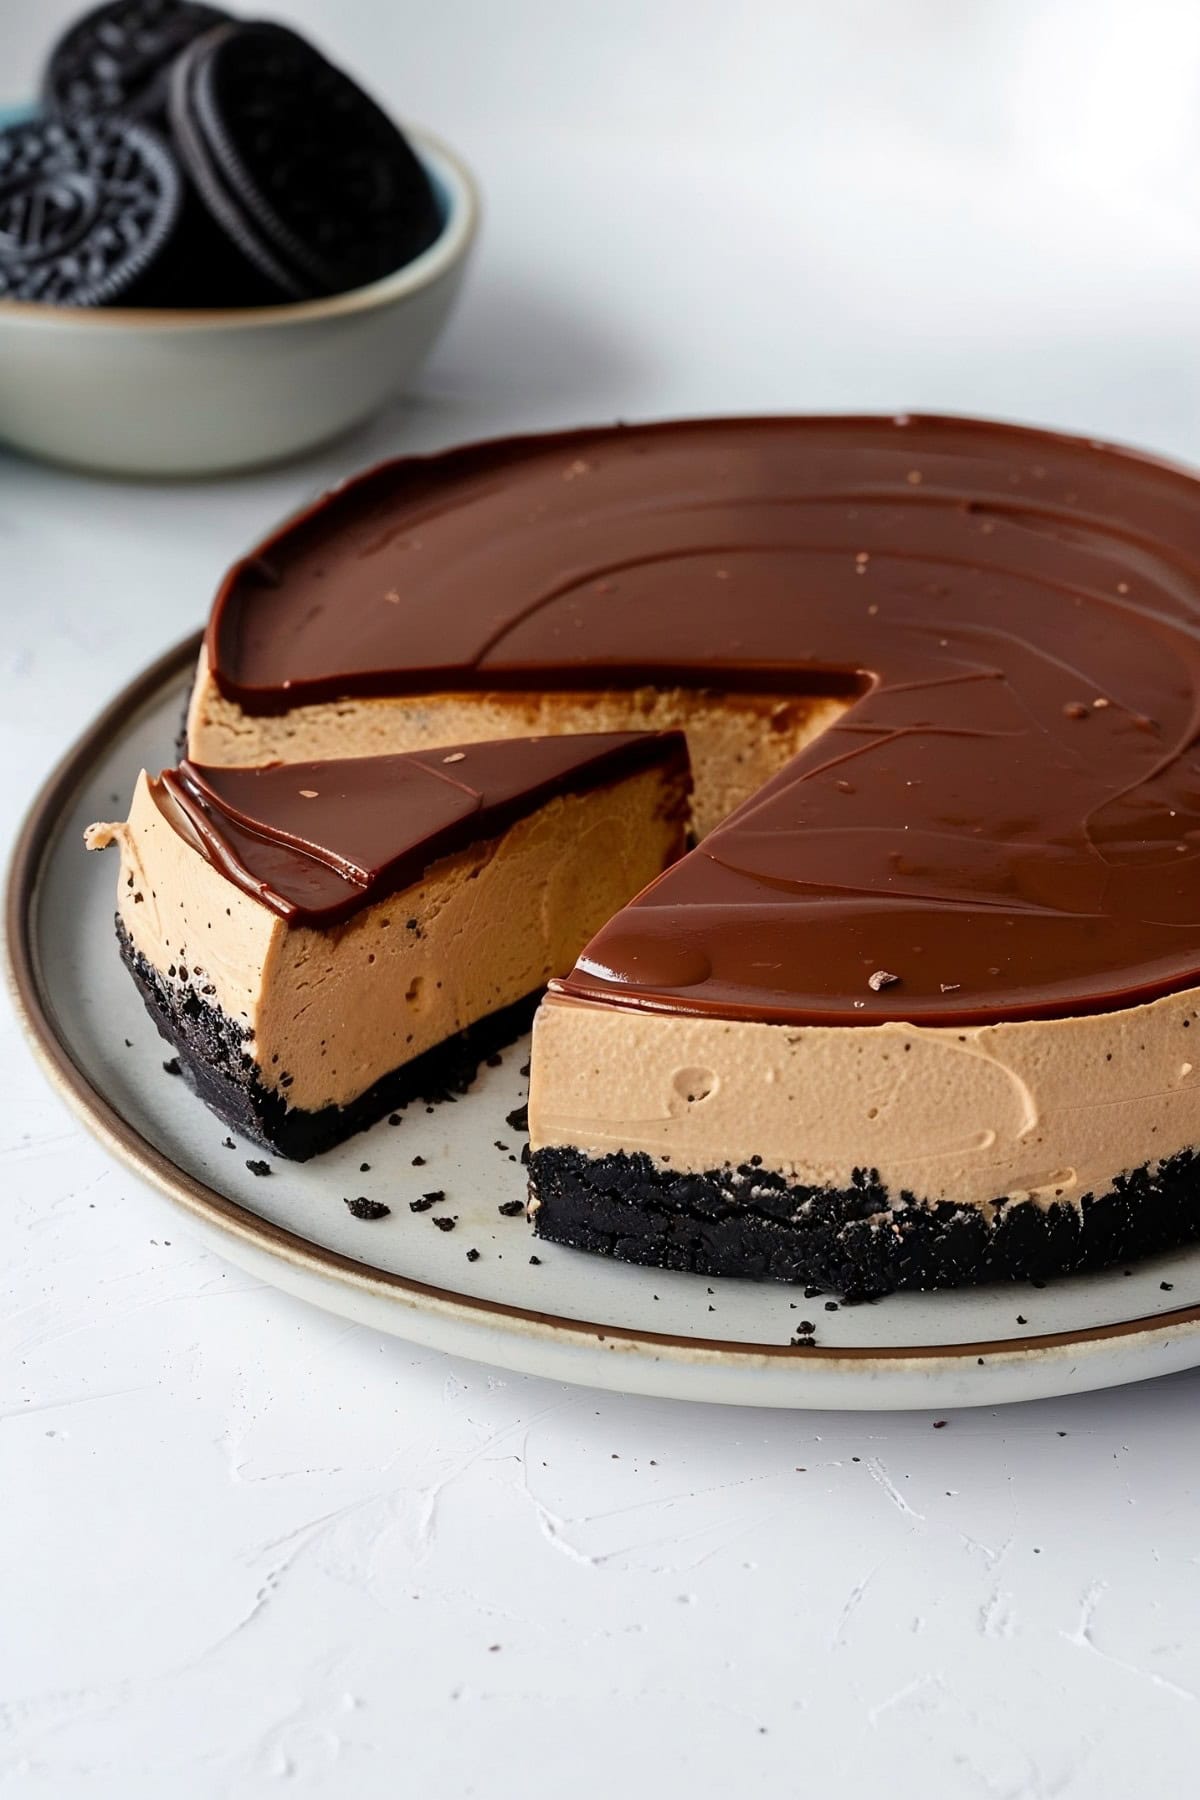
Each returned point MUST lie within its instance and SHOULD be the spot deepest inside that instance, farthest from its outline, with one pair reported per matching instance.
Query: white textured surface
(246, 1549)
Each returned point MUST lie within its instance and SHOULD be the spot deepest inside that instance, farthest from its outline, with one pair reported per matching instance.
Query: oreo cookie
(309, 178)
(89, 209)
(116, 59)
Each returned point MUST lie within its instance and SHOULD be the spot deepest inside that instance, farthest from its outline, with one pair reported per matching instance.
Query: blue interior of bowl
(440, 190)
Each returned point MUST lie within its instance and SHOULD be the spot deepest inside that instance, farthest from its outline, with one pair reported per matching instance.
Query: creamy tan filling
(180, 912)
(736, 742)
(330, 1011)
(1038, 1110)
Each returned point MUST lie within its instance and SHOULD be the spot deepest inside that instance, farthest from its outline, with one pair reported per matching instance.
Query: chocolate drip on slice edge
(317, 841)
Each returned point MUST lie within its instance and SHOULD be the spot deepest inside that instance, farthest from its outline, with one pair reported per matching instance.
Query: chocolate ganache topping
(317, 841)
(1004, 822)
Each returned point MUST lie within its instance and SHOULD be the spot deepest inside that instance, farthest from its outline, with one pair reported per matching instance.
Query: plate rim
(226, 1218)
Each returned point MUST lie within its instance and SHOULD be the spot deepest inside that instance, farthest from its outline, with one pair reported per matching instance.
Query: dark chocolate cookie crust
(215, 1062)
(853, 1241)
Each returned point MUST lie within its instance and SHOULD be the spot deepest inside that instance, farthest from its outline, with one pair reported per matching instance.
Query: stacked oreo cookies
(183, 158)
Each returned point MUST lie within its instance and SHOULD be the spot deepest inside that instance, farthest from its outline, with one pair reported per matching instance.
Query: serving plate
(521, 1304)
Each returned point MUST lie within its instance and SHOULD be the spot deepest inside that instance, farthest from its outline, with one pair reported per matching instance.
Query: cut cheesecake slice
(323, 941)
(737, 741)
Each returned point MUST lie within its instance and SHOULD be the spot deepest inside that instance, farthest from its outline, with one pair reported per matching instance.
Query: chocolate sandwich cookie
(89, 209)
(117, 57)
(313, 182)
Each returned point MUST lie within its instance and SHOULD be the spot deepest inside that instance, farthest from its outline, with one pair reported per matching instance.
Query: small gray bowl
(168, 393)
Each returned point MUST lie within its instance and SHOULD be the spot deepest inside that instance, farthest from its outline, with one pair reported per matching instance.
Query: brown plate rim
(226, 1216)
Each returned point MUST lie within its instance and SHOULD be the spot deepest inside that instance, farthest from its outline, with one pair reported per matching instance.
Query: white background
(245, 1548)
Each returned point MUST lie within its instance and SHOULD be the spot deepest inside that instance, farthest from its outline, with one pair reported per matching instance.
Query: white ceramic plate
(569, 1316)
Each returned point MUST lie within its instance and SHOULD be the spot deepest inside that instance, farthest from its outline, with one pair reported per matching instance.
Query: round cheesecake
(919, 1006)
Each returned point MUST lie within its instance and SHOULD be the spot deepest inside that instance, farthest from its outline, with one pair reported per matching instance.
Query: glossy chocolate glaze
(1005, 822)
(318, 841)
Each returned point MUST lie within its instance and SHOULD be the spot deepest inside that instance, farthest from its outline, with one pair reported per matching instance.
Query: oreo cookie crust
(116, 58)
(860, 1241)
(313, 182)
(214, 1061)
(89, 210)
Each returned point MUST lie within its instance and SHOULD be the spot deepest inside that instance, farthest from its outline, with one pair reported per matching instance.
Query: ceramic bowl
(171, 393)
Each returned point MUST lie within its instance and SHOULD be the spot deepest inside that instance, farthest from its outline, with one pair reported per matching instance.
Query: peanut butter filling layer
(1042, 1110)
(330, 1011)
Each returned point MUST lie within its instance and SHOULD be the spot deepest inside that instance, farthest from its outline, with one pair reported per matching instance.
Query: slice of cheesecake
(323, 941)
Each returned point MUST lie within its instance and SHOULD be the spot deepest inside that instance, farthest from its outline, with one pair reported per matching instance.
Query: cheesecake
(918, 1007)
(323, 941)
(438, 600)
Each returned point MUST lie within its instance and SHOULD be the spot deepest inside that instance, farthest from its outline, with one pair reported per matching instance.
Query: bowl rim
(448, 248)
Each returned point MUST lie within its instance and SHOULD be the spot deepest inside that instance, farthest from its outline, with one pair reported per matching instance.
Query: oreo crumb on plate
(518, 1119)
(257, 1167)
(362, 1208)
(511, 1209)
(445, 1224)
(536, 1263)
(171, 1066)
(472, 1256)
